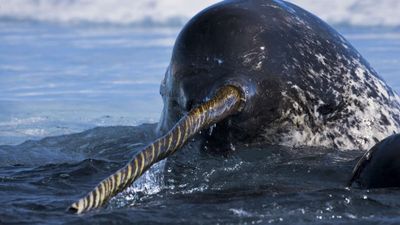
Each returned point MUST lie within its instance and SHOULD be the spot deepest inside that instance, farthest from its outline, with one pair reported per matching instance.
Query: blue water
(62, 79)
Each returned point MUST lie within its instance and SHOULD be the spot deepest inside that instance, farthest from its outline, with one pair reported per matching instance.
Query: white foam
(167, 12)
(241, 212)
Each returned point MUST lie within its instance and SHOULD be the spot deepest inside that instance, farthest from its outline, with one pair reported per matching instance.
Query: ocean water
(79, 96)
(63, 79)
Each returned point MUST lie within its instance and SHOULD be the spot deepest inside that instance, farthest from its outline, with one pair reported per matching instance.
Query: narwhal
(380, 166)
(261, 71)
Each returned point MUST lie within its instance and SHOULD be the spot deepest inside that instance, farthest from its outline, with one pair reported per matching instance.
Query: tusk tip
(74, 209)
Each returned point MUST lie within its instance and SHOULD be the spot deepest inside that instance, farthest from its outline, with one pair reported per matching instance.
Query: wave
(177, 12)
(168, 12)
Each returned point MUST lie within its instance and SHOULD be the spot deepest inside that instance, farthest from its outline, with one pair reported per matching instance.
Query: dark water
(257, 184)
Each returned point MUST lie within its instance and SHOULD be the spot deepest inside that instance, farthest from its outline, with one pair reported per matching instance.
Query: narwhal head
(222, 72)
(221, 46)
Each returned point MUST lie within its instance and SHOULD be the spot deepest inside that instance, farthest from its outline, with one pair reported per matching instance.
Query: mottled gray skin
(304, 83)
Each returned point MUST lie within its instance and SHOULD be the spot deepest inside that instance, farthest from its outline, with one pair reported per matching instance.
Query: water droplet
(233, 148)
(365, 197)
(211, 129)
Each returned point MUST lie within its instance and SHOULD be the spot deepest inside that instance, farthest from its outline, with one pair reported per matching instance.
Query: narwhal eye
(174, 103)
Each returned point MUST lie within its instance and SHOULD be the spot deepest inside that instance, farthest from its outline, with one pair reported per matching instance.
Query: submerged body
(262, 71)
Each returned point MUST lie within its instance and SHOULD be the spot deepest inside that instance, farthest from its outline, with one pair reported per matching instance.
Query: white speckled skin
(366, 110)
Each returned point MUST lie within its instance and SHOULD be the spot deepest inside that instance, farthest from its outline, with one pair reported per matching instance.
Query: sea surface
(78, 100)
